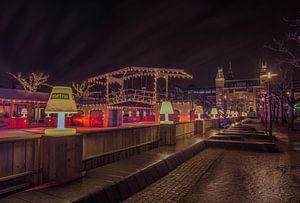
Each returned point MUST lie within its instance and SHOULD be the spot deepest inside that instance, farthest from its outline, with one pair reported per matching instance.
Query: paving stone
(178, 182)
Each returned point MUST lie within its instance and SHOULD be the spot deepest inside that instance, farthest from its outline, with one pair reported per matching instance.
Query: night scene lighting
(137, 101)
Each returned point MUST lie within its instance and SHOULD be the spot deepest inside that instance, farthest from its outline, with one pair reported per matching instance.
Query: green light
(297, 106)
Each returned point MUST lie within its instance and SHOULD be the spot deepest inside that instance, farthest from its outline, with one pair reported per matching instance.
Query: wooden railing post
(61, 158)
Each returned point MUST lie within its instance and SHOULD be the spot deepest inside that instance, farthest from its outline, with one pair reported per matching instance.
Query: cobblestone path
(180, 181)
(247, 176)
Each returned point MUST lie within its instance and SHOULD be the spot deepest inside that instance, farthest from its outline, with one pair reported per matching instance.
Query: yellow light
(166, 108)
(61, 101)
(214, 112)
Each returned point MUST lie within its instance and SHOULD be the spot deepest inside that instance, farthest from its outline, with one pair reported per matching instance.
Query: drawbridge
(136, 84)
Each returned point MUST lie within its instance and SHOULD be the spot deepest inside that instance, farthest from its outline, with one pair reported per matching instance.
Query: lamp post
(225, 105)
(264, 113)
(270, 104)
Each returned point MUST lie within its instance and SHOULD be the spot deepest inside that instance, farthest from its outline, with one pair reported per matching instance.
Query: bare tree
(82, 89)
(288, 48)
(280, 90)
(33, 82)
(288, 57)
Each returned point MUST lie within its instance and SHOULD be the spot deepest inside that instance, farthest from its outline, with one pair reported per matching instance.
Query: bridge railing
(134, 95)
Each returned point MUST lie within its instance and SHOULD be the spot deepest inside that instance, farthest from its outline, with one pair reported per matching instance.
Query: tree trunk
(291, 106)
(282, 115)
(277, 111)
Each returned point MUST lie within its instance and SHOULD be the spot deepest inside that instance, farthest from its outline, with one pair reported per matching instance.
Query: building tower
(263, 73)
(230, 75)
(220, 83)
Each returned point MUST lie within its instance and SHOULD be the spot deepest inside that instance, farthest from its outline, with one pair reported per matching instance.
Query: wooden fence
(35, 160)
(107, 146)
(19, 164)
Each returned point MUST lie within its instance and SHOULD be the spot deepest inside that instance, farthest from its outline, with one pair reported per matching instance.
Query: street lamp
(269, 76)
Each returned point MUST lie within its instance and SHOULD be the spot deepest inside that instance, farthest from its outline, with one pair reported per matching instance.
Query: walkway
(123, 173)
(180, 181)
(226, 175)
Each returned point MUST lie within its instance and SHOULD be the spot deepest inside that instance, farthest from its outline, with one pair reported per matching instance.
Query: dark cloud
(73, 40)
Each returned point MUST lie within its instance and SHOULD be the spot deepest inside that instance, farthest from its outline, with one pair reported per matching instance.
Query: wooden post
(167, 134)
(61, 158)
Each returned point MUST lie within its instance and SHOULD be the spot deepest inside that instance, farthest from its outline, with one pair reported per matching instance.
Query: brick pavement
(180, 181)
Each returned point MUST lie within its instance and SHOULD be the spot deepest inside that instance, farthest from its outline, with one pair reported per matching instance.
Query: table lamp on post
(236, 113)
(228, 113)
(199, 111)
(232, 113)
(61, 102)
(24, 113)
(166, 109)
(214, 112)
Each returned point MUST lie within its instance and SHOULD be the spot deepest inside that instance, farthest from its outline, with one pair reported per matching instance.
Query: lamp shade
(228, 112)
(198, 110)
(166, 108)
(236, 113)
(232, 113)
(61, 100)
(214, 111)
(24, 111)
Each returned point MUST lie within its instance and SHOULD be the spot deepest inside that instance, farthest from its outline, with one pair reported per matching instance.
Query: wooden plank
(29, 155)
(6, 159)
(18, 175)
(13, 188)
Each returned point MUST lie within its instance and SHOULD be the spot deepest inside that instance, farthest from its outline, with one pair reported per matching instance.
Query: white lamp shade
(166, 108)
(24, 111)
(61, 100)
(198, 110)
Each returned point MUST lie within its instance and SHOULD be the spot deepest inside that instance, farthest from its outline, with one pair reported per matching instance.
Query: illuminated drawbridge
(137, 84)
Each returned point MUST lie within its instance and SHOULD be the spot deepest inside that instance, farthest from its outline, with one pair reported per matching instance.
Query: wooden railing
(107, 146)
(19, 164)
(36, 160)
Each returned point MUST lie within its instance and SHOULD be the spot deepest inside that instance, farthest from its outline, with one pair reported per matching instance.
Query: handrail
(15, 176)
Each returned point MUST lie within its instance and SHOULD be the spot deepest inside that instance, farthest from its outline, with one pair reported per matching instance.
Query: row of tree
(287, 60)
(35, 81)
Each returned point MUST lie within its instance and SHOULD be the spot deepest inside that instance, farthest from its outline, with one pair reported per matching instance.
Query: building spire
(230, 72)
(220, 72)
(263, 68)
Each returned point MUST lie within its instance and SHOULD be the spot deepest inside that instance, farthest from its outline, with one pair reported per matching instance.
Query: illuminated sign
(60, 96)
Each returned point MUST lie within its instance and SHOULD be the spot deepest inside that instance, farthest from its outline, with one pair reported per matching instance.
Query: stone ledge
(256, 146)
(139, 180)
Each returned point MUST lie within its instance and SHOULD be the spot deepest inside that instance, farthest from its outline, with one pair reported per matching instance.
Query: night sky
(73, 40)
